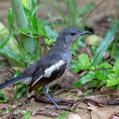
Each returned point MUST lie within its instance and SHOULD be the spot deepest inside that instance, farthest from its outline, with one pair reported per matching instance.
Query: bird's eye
(73, 33)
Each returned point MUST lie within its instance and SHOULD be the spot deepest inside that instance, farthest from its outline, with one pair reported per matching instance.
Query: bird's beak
(84, 33)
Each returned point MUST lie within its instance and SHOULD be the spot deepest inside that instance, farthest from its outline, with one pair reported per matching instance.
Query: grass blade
(110, 36)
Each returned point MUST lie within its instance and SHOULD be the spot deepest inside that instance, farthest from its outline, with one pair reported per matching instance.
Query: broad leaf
(85, 79)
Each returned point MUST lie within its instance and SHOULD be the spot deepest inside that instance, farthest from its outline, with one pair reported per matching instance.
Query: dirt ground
(74, 106)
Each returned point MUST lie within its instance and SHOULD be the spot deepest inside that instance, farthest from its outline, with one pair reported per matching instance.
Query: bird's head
(69, 35)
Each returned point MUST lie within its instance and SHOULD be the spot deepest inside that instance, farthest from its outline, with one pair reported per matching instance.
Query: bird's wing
(31, 69)
(47, 69)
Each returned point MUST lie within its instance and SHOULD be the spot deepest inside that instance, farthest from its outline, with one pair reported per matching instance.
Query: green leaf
(33, 20)
(3, 97)
(26, 3)
(10, 50)
(19, 14)
(50, 32)
(110, 36)
(112, 76)
(49, 41)
(3, 32)
(64, 115)
(96, 83)
(41, 28)
(21, 90)
(82, 63)
(112, 82)
(27, 115)
(11, 56)
(101, 75)
(84, 60)
(10, 17)
(85, 79)
(52, 35)
(105, 65)
(116, 66)
(30, 45)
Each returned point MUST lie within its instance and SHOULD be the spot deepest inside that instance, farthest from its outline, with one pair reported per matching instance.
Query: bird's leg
(46, 92)
(57, 100)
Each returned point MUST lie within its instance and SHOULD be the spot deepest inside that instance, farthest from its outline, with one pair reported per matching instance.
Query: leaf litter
(99, 105)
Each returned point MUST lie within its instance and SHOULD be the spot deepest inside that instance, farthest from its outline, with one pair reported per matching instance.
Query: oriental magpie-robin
(51, 66)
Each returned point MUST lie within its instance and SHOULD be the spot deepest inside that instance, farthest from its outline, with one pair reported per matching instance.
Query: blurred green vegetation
(97, 76)
(19, 43)
(73, 15)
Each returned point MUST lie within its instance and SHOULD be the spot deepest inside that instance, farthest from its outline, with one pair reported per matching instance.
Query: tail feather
(13, 81)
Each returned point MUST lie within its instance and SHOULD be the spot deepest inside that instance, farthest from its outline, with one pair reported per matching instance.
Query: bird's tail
(13, 81)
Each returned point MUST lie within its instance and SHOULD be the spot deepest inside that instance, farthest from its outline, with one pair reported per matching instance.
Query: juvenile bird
(51, 66)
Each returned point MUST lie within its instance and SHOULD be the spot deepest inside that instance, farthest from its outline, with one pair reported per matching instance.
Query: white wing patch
(56, 66)
(48, 71)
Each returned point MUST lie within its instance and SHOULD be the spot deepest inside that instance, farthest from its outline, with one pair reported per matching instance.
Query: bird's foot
(50, 97)
(57, 100)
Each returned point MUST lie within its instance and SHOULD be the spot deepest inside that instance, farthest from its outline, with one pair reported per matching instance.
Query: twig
(44, 100)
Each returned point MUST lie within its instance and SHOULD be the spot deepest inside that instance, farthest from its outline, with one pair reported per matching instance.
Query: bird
(51, 66)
